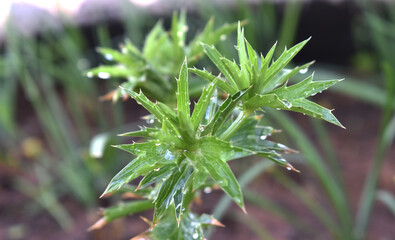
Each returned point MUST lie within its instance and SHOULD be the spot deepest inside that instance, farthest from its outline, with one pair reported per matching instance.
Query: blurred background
(55, 133)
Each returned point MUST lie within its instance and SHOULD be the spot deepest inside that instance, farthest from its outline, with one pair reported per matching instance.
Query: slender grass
(386, 138)
(333, 190)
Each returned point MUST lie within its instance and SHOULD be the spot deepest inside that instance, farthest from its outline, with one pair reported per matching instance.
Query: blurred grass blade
(332, 189)
(388, 199)
(386, 138)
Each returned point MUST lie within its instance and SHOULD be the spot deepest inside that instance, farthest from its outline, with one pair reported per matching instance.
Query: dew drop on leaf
(108, 56)
(103, 75)
(195, 235)
(223, 37)
(150, 120)
(303, 71)
(89, 74)
(207, 190)
(263, 137)
(281, 146)
(157, 144)
(156, 169)
(289, 169)
(223, 183)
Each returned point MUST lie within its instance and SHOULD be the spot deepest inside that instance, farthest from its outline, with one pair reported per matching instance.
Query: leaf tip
(244, 209)
(104, 194)
(98, 224)
(290, 167)
(243, 22)
(217, 223)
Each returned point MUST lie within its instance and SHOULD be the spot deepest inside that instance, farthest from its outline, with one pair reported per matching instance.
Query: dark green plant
(187, 150)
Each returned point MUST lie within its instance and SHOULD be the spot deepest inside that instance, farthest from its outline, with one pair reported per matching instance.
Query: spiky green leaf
(209, 77)
(216, 57)
(171, 188)
(202, 104)
(285, 58)
(144, 132)
(124, 209)
(223, 112)
(158, 174)
(150, 155)
(212, 156)
(183, 91)
(303, 89)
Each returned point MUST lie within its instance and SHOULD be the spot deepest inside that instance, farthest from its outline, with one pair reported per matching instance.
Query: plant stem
(236, 124)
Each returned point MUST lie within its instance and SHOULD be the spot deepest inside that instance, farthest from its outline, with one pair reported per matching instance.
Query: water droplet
(156, 169)
(289, 169)
(281, 146)
(157, 144)
(223, 183)
(222, 37)
(150, 121)
(263, 137)
(287, 103)
(89, 74)
(207, 190)
(104, 75)
(303, 71)
(195, 235)
(278, 109)
(185, 28)
(109, 57)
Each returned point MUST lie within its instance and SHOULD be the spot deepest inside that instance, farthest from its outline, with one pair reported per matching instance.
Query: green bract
(188, 148)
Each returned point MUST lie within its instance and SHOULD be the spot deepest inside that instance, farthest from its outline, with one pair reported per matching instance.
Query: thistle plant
(187, 149)
(154, 68)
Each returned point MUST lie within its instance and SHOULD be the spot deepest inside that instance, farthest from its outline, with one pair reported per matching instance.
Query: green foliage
(269, 82)
(154, 68)
(187, 150)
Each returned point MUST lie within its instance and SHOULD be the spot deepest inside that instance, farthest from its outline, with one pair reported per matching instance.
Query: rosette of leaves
(187, 150)
(184, 153)
(154, 68)
(268, 80)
